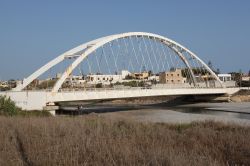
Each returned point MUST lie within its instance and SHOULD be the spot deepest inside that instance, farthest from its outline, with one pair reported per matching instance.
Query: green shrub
(8, 107)
(99, 85)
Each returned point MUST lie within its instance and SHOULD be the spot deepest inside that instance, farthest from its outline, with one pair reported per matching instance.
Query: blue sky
(33, 32)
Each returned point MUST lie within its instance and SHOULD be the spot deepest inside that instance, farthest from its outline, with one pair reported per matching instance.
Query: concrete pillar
(52, 109)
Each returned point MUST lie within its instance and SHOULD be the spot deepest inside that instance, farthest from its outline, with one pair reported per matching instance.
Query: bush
(34, 113)
(4, 88)
(8, 107)
(99, 85)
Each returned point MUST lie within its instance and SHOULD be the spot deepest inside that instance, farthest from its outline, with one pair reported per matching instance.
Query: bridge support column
(51, 109)
(53, 112)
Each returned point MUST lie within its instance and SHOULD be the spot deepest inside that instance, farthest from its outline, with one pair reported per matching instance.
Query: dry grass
(97, 141)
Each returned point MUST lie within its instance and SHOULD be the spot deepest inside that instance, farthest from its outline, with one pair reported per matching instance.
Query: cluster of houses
(172, 77)
(7, 85)
(108, 79)
(169, 78)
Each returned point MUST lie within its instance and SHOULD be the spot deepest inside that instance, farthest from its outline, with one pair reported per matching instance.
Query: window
(178, 75)
(172, 80)
(103, 78)
(172, 75)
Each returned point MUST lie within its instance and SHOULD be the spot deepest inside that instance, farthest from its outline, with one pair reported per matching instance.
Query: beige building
(172, 77)
(245, 78)
(140, 76)
(4, 84)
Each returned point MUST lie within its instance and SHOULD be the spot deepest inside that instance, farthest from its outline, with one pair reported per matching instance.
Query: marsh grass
(94, 140)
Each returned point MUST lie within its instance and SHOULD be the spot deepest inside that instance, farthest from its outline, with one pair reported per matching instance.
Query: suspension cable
(150, 42)
(146, 48)
(158, 53)
(126, 47)
(143, 59)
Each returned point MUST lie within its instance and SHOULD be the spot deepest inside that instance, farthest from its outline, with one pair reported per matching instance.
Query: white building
(108, 78)
(227, 80)
(225, 77)
(104, 79)
(154, 78)
(125, 73)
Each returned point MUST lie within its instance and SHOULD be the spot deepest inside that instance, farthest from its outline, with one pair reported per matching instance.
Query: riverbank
(241, 96)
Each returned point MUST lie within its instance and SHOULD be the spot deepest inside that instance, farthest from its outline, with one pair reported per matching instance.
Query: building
(245, 81)
(107, 78)
(227, 80)
(140, 76)
(245, 78)
(58, 75)
(225, 77)
(103, 79)
(154, 78)
(172, 77)
(4, 84)
(125, 73)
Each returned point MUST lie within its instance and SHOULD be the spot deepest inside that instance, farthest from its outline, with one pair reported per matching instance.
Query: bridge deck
(36, 100)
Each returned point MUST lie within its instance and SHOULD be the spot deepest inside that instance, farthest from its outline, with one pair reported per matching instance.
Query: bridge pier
(51, 108)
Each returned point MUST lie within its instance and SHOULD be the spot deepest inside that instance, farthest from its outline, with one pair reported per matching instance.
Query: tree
(128, 77)
(99, 85)
(217, 71)
(150, 72)
(210, 65)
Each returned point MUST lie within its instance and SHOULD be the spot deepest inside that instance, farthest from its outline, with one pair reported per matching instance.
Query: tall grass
(97, 141)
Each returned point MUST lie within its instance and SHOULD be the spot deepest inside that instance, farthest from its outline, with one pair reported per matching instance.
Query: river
(226, 112)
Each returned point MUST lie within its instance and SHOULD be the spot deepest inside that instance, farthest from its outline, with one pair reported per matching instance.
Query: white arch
(87, 48)
(118, 36)
(50, 64)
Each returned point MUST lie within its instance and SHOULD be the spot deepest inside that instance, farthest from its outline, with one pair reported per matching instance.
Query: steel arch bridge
(153, 65)
(85, 50)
